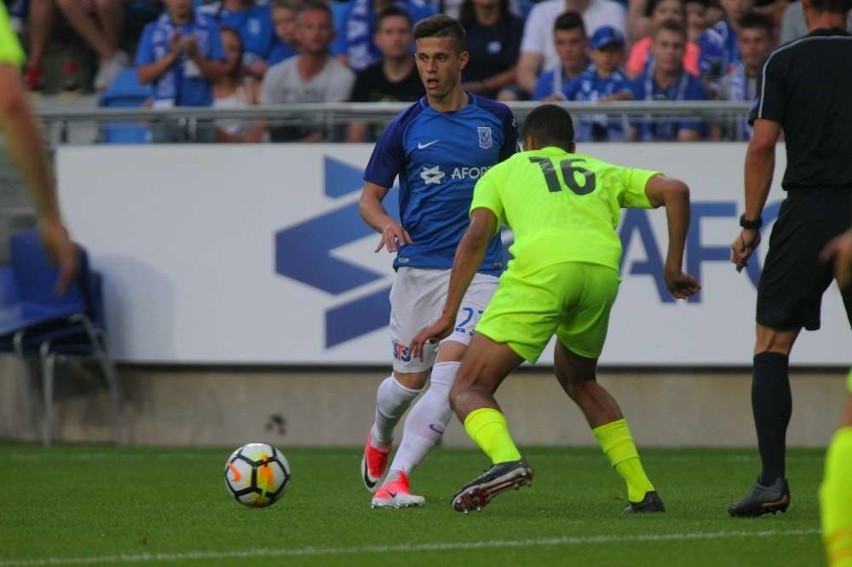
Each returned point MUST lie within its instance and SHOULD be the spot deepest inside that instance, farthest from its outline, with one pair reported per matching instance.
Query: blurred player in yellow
(836, 489)
(563, 208)
(24, 140)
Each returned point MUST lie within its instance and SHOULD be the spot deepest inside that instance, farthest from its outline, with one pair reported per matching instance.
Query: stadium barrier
(677, 398)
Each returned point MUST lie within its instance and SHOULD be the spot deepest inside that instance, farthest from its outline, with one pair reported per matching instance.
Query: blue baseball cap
(606, 35)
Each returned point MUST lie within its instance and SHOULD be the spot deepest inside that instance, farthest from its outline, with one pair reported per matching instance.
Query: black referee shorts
(793, 280)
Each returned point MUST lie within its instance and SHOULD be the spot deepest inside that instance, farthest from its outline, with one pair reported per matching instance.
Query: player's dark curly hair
(442, 25)
(550, 125)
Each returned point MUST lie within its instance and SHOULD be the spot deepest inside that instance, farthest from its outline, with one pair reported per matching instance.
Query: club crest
(485, 139)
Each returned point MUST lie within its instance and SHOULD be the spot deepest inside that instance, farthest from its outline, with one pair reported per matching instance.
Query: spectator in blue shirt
(718, 45)
(602, 81)
(180, 54)
(284, 25)
(254, 24)
(361, 50)
(666, 79)
(755, 40)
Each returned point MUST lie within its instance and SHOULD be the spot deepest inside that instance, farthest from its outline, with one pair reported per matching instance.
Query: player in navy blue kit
(439, 147)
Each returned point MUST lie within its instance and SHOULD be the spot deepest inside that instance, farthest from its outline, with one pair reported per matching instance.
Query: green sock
(617, 444)
(487, 427)
(836, 499)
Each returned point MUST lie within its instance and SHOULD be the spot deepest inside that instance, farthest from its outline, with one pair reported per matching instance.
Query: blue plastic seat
(37, 322)
(125, 92)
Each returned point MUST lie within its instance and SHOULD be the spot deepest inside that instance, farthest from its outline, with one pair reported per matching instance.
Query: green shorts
(849, 381)
(572, 300)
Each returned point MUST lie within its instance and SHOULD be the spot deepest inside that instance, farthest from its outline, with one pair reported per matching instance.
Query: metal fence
(72, 124)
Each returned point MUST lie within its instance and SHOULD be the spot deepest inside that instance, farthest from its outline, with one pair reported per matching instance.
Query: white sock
(392, 399)
(427, 420)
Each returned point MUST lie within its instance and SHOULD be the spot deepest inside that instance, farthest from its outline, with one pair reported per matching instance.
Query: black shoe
(498, 479)
(762, 500)
(650, 503)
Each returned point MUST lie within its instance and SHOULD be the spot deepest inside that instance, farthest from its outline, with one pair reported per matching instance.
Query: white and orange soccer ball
(257, 475)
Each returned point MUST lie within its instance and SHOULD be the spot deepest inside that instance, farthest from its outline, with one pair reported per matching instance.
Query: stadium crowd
(237, 53)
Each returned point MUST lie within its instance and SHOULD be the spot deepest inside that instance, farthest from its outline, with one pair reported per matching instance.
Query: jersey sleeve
(486, 195)
(769, 103)
(388, 157)
(633, 194)
(510, 136)
(11, 51)
(145, 51)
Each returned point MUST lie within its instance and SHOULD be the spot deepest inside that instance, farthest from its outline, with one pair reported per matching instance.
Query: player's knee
(456, 399)
(573, 382)
(460, 396)
(779, 341)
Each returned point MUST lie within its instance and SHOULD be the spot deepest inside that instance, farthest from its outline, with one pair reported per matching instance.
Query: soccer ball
(257, 475)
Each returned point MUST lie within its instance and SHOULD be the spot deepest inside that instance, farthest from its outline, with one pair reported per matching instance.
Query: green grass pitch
(104, 505)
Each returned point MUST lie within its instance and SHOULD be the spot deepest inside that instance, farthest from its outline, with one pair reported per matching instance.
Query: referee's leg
(772, 406)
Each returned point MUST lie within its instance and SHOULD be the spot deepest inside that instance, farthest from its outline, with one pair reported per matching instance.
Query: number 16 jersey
(562, 207)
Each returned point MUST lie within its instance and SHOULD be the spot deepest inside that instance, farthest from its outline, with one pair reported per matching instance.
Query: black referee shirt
(806, 87)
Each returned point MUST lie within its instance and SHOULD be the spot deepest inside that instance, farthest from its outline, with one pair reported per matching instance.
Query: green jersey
(10, 47)
(562, 207)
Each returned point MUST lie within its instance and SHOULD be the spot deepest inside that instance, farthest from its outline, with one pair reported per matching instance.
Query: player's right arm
(386, 163)
(374, 214)
(673, 194)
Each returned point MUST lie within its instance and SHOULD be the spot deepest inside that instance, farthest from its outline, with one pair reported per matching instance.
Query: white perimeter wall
(186, 238)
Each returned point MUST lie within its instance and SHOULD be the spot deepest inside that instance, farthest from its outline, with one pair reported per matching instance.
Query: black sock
(772, 404)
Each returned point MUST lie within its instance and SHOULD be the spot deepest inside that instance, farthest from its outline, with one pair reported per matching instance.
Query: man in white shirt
(537, 48)
(313, 75)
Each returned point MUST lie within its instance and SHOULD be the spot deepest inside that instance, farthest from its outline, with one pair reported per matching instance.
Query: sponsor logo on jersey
(401, 352)
(432, 175)
(435, 176)
(422, 146)
(469, 172)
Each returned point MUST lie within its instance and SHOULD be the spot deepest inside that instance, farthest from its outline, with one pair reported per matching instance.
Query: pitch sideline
(357, 550)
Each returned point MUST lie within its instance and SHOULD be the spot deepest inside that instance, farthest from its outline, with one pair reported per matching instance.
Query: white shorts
(417, 297)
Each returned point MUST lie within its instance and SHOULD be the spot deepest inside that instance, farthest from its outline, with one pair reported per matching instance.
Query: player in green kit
(563, 208)
(836, 488)
(23, 138)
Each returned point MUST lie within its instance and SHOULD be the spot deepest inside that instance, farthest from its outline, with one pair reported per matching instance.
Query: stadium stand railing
(63, 121)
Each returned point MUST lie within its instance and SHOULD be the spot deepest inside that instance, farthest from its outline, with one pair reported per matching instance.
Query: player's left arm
(673, 194)
(469, 255)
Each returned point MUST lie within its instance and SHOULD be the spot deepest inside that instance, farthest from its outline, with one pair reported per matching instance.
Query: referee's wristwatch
(750, 224)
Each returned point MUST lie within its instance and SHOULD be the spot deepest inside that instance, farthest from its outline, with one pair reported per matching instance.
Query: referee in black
(804, 90)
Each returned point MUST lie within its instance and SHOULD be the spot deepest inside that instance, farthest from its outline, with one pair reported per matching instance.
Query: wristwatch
(751, 224)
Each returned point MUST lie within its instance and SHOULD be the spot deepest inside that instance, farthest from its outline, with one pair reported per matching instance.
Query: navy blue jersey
(439, 156)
